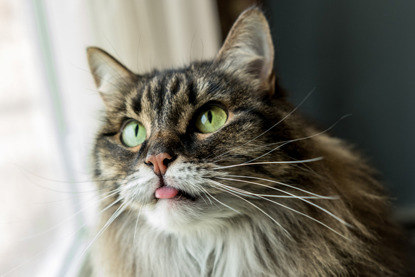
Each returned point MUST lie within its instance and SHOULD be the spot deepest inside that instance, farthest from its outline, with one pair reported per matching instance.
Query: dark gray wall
(359, 56)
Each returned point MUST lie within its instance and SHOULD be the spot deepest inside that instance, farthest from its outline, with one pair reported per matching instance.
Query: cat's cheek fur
(138, 190)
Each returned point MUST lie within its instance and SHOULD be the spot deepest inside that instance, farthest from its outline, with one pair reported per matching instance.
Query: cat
(208, 170)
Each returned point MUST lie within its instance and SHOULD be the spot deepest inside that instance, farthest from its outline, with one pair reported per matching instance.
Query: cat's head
(174, 142)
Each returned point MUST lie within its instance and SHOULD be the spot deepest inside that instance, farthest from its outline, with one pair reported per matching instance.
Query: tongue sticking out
(166, 192)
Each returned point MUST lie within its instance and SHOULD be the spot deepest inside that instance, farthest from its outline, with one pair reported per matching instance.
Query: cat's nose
(159, 162)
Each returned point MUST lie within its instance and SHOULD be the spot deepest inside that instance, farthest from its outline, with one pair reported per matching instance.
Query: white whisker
(255, 195)
(220, 202)
(70, 235)
(119, 210)
(298, 212)
(273, 126)
(91, 203)
(219, 186)
(335, 197)
(278, 162)
(299, 139)
(136, 222)
(204, 200)
(302, 199)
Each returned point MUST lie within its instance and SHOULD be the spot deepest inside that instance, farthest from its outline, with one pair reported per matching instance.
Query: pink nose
(159, 162)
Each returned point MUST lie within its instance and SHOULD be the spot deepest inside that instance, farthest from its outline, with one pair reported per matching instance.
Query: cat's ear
(110, 75)
(248, 49)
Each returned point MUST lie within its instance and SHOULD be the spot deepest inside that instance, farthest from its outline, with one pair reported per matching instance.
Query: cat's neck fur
(237, 249)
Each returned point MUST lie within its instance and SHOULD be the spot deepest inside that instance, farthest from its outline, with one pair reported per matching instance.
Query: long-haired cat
(207, 170)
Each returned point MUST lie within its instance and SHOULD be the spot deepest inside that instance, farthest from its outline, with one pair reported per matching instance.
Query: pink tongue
(166, 192)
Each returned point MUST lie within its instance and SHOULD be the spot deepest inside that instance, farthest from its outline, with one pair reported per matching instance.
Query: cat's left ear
(110, 75)
(248, 50)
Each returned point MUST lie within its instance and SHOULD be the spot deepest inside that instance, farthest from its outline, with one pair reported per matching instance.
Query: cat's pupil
(136, 130)
(209, 115)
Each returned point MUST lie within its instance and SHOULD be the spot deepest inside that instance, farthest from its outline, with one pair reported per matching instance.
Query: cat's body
(263, 194)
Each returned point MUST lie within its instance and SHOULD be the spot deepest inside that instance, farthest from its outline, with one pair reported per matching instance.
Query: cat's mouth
(168, 192)
(182, 195)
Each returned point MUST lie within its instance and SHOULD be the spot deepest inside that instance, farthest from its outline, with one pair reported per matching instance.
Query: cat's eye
(133, 134)
(211, 119)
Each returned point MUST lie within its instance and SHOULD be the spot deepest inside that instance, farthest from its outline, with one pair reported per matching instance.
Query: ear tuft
(248, 48)
(110, 76)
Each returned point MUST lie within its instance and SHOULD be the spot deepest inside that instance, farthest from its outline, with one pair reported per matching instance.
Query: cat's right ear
(110, 75)
(248, 50)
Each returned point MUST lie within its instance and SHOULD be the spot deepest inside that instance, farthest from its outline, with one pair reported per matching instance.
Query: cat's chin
(179, 216)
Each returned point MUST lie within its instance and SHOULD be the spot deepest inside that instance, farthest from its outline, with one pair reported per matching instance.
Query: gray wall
(359, 56)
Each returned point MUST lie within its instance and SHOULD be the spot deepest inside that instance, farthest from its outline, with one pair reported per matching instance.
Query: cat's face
(173, 141)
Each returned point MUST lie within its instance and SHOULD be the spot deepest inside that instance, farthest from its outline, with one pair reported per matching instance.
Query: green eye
(211, 119)
(133, 134)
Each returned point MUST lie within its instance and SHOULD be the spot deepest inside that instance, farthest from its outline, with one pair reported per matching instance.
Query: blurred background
(357, 56)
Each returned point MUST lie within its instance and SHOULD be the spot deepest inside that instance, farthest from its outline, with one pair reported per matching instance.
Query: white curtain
(143, 35)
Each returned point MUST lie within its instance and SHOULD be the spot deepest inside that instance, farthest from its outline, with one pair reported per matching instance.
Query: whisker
(136, 222)
(204, 200)
(214, 198)
(209, 198)
(42, 252)
(27, 174)
(278, 162)
(31, 181)
(273, 126)
(299, 139)
(114, 216)
(335, 197)
(298, 212)
(252, 204)
(254, 195)
(242, 192)
(110, 194)
(283, 143)
(302, 199)
(27, 261)
(136, 225)
(289, 197)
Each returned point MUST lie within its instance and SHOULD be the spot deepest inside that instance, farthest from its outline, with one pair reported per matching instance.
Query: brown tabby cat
(208, 171)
